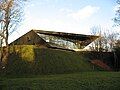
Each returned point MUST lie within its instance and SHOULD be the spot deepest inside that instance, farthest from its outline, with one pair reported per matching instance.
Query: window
(28, 39)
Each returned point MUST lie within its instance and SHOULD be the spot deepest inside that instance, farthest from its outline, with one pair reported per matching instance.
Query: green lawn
(29, 68)
(75, 81)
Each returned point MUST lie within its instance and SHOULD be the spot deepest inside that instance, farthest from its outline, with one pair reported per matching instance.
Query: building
(56, 40)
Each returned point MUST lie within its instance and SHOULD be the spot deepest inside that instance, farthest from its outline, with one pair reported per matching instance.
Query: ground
(75, 81)
(51, 69)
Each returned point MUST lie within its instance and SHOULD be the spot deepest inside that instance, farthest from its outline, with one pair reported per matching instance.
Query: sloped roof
(85, 39)
(73, 36)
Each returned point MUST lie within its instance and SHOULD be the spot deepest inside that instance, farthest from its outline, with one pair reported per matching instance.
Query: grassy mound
(32, 59)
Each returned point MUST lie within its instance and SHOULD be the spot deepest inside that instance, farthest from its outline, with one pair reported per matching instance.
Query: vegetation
(117, 58)
(117, 18)
(11, 13)
(106, 41)
(75, 81)
(34, 60)
(28, 66)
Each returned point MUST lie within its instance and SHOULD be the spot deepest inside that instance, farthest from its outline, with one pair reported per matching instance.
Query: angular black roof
(85, 39)
(73, 36)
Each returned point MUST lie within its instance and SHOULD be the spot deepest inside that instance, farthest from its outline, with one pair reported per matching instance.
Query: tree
(10, 16)
(97, 44)
(117, 18)
(107, 39)
(112, 39)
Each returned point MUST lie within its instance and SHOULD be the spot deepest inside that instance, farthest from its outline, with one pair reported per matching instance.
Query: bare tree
(97, 44)
(10, 17)
(112, 38)
(117, 17)
(107, 39)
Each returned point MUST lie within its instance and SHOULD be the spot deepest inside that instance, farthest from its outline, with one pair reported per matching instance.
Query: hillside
(32, 59)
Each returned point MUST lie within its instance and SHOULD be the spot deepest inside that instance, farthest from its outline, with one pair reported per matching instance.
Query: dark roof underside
(72, 36)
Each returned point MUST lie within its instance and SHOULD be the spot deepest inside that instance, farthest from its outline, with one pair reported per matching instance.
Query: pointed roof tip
(68, 35)
(46, 31)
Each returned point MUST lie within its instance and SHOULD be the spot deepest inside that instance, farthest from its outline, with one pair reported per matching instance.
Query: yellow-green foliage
(25, 51)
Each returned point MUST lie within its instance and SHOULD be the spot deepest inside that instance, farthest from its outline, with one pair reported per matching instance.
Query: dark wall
(30, 38)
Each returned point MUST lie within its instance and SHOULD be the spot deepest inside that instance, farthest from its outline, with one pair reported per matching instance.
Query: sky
(72, 16)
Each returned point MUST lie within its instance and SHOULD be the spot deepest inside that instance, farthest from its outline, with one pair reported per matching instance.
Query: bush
(16, 65)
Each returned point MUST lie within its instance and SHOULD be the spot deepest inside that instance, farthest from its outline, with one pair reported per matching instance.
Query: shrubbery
(16, 65)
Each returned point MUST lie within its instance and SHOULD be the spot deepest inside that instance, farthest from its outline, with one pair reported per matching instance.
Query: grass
(31, 59)
(33, 68)
(74, 81)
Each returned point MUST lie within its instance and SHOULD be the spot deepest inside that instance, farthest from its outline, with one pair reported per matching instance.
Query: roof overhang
(80, 38)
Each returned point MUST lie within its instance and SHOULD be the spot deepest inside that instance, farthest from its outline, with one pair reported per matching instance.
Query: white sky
(74, 16)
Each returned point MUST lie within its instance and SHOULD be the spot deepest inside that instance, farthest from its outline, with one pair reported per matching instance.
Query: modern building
(56, 40)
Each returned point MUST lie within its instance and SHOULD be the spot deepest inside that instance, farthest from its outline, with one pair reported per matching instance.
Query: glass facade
(58, 42)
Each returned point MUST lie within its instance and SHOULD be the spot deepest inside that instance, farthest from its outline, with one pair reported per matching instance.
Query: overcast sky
(74, 16)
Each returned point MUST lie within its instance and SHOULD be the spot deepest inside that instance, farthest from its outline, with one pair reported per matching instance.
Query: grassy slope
(47, 61)
(56, 61)
(76, 81)
(62, 61)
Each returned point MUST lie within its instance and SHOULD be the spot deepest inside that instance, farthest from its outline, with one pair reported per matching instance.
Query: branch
(2, 34)
(2, 21)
